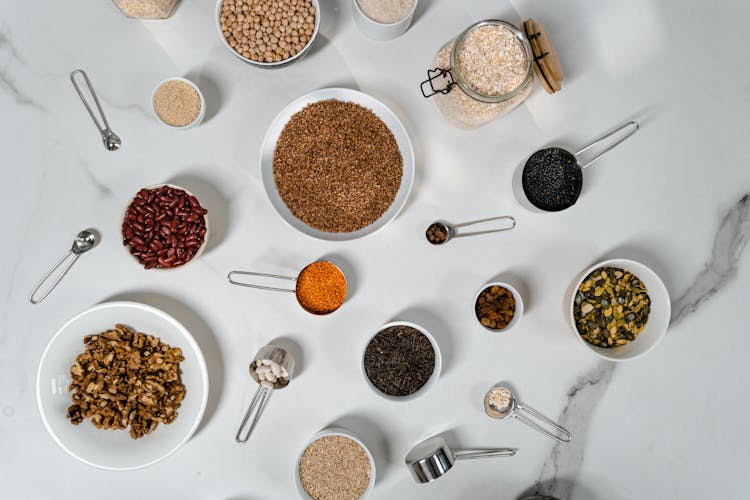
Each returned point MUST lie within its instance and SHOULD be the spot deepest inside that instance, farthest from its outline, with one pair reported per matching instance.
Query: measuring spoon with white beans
(500, 402)
(440, 232)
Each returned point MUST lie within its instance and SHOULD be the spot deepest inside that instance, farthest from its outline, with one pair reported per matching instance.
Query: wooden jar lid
(546, 63)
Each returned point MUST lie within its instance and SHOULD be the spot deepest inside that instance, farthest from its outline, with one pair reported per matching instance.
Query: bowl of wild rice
(337, 164)
(335, 463)
(619, 309)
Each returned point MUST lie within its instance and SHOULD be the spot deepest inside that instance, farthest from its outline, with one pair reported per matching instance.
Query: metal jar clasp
(437, 74)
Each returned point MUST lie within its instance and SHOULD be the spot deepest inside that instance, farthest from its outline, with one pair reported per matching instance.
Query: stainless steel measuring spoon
(295, 290)
(84, 241)
(111, 140)
(274, 356)
(432, 458)
(499, 402)
(552, 177)
(441, 232)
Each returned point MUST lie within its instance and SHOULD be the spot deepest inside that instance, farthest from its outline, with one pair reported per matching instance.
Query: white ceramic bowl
(279, 64)
(658, 319)
(430, 381)
(517, 314)
(115, 449)
(384, 113)
(200, 249)
(335, 431)
(381, 31)
(201, 114)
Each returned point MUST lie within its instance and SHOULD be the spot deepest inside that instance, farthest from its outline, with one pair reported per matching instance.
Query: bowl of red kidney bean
(165, 227)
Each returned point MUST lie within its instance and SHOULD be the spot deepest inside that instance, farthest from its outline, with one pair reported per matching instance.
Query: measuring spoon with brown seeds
(440, 232)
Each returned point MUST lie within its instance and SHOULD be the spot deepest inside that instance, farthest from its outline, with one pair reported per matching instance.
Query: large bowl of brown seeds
(337, 164)
(268, 33)
(619, 309)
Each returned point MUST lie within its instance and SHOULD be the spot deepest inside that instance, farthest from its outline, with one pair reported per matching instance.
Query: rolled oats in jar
(488, 70)
(147, 9)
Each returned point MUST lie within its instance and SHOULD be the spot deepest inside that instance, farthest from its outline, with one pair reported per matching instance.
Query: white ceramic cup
(201, 113)
(658, 318)
(430, 381)
(381, 31)
(517, 313)
(335, 431)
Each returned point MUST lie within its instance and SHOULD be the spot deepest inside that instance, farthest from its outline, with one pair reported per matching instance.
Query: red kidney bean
(164, 227)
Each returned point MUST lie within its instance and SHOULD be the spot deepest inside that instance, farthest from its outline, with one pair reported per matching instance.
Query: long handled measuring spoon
(85, 241)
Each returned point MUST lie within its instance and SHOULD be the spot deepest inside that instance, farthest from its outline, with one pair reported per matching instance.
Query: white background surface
(669, 425)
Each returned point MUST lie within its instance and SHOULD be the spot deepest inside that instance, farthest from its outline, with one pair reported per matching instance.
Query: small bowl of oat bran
(383, 20)
(178, 103)
(335, 463)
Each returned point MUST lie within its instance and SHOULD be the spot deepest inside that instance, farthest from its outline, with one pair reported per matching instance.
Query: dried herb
(495, 307)
(399, 360)
(611, 307)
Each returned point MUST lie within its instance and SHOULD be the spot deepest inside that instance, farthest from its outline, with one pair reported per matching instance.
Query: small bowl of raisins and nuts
(165, 227)
(498, 306)
(619, 309)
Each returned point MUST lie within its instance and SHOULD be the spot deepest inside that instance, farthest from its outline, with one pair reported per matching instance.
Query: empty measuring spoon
(432, 458)
(272, 368)
(111, 140)
(85, 241)
(499, 402)
(440, 232)
(552, 177)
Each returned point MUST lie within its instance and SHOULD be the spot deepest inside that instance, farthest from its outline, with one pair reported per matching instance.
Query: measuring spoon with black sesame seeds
(440, 232)
(552, 177)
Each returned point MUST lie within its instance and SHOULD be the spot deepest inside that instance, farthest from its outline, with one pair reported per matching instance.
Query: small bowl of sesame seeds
(178, 103)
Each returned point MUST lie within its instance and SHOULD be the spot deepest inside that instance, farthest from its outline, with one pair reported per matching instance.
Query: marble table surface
(675, 196)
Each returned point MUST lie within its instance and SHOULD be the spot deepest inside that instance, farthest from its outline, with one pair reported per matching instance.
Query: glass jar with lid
(488, 70)
(147, 9)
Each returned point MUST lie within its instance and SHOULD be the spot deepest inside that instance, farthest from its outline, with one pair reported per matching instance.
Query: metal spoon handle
(251, 285)
(46, 291)
(495, 452)
(103, 129)
(512, 224)
(531, 417)
(257, 405)
(633, 125)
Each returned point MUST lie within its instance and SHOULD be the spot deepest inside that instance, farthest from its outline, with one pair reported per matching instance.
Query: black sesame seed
(552, 179)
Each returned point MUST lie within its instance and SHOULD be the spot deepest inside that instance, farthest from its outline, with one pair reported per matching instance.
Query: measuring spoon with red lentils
(441, 232)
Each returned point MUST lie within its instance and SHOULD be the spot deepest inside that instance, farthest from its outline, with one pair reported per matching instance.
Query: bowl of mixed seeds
(619, 309)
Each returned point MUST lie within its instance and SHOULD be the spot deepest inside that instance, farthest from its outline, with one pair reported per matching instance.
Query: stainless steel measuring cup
(562, 171)
(294, 290)
(440, 232)
(507, 406)
(432, 458)
(280, 357)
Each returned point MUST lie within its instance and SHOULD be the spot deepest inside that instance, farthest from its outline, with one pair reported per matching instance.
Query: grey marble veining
(7, 83)
(101, 188)
(729, 243)
(559, 471)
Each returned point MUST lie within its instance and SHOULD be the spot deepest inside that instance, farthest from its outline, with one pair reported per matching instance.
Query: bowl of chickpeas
(268, 33)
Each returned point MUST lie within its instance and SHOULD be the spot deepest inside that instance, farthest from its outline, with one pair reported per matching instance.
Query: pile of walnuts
(124, 380)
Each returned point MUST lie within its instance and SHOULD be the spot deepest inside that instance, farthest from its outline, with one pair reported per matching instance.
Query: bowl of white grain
(383, 20)
(178, 103)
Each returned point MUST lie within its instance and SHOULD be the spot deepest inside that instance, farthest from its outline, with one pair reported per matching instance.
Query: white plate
(658, 318)
(382, 112)
(115, 449)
